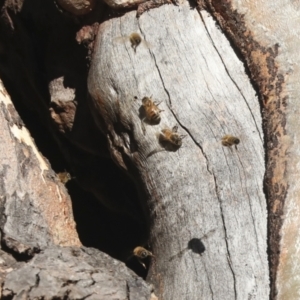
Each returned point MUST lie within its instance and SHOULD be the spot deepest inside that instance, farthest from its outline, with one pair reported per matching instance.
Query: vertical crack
(234, 82)
(37, 282)
(127, 291)
(157, 68)
(226, 237)
(209, 283)
(250, 207)
(172, 111)
(204, 155)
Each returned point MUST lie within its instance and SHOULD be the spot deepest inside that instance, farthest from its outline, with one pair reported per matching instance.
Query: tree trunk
(222, 220)
(205, 195)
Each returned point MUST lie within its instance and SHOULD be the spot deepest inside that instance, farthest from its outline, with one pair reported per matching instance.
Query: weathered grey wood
(268, 36)
(7, 264)
(203, 187)
(75, 273)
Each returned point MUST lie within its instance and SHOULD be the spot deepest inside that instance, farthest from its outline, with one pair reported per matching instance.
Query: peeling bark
(35, 207)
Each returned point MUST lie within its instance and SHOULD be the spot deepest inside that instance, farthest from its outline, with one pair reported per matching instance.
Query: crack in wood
(127, 291)
(231, 78)
(172, 111)
(226, 237)
(262, 70)
(36, 284)
(157, 68)
(208, 280)
(250, 206)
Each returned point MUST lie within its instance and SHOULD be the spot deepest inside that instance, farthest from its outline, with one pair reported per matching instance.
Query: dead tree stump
(204, 202)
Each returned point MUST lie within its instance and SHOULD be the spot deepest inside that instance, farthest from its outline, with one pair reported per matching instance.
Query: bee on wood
(141, 253)
(171, 137)
(229, 140)
(151, 112)
(64, 177)
(135, 40)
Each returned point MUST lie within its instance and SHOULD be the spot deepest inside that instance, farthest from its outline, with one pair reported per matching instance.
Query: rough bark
(35, 206)
(205, 204)
(35, 216)
(73, 273)
(204, 187)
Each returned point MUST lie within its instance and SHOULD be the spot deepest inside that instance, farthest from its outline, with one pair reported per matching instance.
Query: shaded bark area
(203, 192)
(44, 70)
(44, 67)
(35, 207)
(35, 216)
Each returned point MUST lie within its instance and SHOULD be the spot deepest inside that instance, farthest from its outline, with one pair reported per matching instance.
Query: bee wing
(147, 45)
(120, 40)
(175, 128)
(209, 233)
(225, 137)
(142, 263)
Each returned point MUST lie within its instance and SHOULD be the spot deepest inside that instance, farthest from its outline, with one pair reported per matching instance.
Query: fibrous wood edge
(270, 51)
(203, 187)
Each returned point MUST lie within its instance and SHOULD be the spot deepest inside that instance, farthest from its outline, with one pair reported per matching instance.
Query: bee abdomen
(226, 144)
(154, 117)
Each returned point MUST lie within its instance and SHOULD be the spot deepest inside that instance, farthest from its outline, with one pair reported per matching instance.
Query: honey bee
(64, 177)
(229, 140)
(135, 40)
(141, 253)
(171, 137)
(151, 112)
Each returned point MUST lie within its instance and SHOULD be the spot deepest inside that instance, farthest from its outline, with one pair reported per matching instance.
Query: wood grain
(202, 187)
(267, 35)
